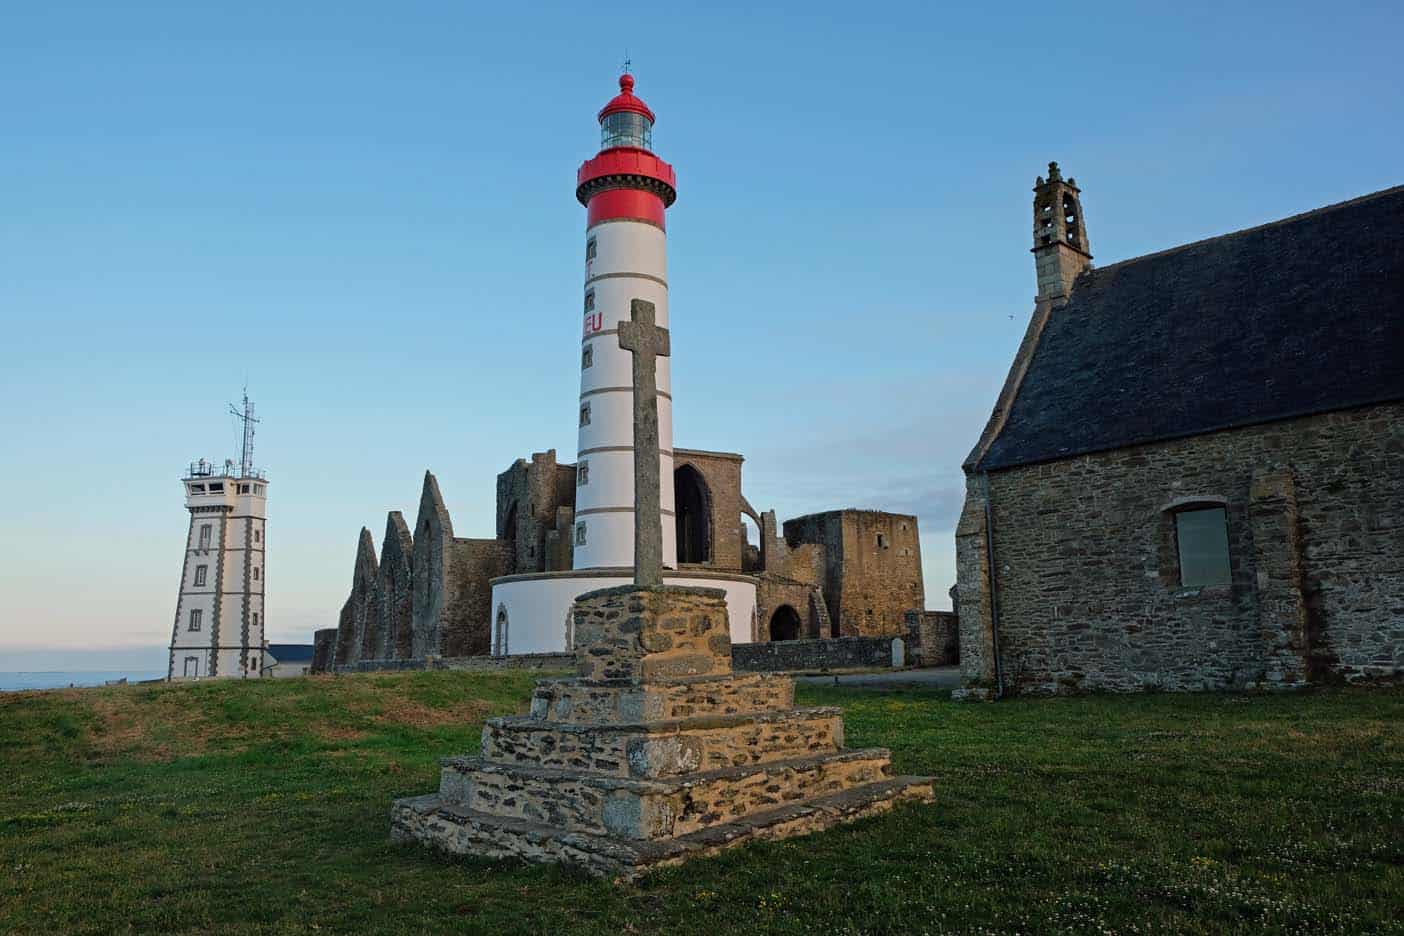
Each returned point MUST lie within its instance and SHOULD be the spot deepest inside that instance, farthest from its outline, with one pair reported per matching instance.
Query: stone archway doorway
(785, 623)
(692, 503)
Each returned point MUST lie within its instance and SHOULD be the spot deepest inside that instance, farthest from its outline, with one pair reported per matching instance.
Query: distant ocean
(60, 679)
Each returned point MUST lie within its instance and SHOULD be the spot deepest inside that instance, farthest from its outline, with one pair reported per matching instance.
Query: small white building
(219, 619)
(283, 660)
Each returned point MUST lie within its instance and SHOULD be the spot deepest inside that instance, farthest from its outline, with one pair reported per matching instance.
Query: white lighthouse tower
(219, 620)
(625, 190)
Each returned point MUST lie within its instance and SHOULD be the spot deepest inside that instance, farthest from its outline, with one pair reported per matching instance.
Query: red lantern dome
(625, 101)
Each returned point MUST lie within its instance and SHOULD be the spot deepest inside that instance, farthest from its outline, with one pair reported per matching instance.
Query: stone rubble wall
(527, 661)
(872, 567)
(933, 638)
(664, 749)
(323, 650)
(814, 656)
(574, 702)
(395, 592)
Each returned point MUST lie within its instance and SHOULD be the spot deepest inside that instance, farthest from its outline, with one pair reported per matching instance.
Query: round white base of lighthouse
(532, 613)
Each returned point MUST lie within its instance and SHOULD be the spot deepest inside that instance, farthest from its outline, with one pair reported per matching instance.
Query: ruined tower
(219, 619)
(1061, 250)
(625, 189)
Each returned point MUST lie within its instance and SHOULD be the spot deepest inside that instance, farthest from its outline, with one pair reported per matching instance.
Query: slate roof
(1300, 316)
(291, 653)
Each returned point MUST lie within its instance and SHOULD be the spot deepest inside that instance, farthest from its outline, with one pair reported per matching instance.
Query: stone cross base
(654, 754)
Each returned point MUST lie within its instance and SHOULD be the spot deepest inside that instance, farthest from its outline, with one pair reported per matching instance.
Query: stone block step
(578, 702)
(450, 827)
(651, 809)
(663, 748)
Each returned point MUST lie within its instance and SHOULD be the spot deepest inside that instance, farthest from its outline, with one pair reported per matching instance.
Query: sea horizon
(23, 680)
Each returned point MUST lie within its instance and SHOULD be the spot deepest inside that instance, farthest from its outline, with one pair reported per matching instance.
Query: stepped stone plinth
(655, 753)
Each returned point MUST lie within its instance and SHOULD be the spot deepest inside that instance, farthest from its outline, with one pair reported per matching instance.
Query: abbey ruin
(427, 593)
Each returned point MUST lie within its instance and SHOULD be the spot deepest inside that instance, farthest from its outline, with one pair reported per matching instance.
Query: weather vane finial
(627, 63)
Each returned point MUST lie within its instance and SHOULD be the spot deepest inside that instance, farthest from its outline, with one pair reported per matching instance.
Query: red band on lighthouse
(622, 203)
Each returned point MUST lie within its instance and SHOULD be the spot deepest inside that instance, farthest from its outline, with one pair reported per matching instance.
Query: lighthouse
(626, 190)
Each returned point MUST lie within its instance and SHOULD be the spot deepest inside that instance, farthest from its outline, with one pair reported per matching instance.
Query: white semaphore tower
(219, 619)
(625, 190)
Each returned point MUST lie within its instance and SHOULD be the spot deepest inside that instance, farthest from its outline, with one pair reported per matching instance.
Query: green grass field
(262, 808)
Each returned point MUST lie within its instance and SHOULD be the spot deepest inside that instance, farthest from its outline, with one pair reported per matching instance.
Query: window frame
(1223, 564)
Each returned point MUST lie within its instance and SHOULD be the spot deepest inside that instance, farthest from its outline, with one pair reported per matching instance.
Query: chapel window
(1201, 539)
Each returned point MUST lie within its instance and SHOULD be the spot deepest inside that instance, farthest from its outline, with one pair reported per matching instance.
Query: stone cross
(648, 342)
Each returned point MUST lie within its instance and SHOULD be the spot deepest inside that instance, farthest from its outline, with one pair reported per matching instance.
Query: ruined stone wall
(395, 594)
(872, 567)
(933, 638)
(1088, 589)
(467, 607)
(433, 549)
(791, 576)
(355, 625)
(721, 472)
(526, 661)
(844, 653)
(773, 594)
(529, 496)
(323, 650)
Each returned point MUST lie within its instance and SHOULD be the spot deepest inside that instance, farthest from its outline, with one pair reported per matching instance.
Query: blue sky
(366, 212)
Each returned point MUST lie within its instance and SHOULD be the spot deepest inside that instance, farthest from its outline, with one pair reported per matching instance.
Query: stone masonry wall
(721, 473)
(467, 610)
(433, 552)
(933, 638)
(323, 650)
(843, 653)
(356, 623)
(1087, 568)
(529, 497)
(872, 562)
(396, 590)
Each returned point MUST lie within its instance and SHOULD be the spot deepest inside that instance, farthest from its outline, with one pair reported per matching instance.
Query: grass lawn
(262, 807)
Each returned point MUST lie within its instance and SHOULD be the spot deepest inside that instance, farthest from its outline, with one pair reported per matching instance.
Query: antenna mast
(247, 415)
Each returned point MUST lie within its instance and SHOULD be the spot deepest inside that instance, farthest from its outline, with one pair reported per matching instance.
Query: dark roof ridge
(1324, 209)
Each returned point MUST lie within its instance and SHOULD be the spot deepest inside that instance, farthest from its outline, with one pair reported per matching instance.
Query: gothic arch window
(499, 635)
(693, 506)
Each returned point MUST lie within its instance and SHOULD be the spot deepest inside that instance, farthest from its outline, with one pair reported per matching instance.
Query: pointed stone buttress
(655, 753)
